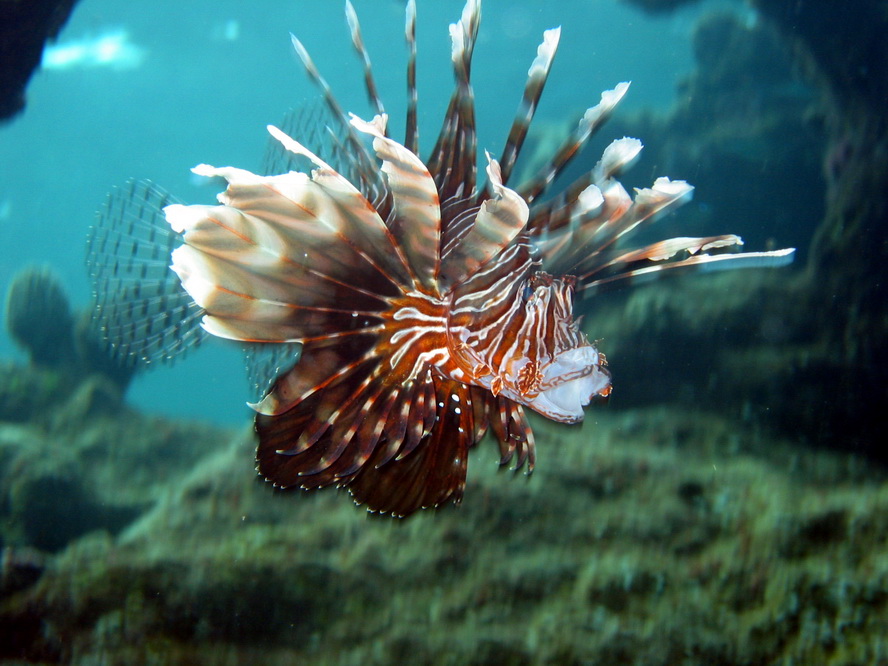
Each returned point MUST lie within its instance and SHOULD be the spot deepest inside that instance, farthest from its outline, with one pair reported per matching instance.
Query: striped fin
(514, 434)
(605, 214)
(582, 234)
(265, 362)
(649, 205)
(323, 134)
(489, 294)
(595, 222)
(358, 41)
(287, 257)
(355, 147)
(533, 89)
(308, 122)
(592, 119)
(411, 133)
(435, 471)
(421, 418)
(703, 263)
(498, 221)
(416, 215)
(308, 423)
(321, 364)
(140, 310)
(243, 305)
(349, 431)
(452, 162)
(617, 157)
(460, 213)
(667, 249)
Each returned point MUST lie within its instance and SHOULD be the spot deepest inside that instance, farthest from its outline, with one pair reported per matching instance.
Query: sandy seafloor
(677, 525)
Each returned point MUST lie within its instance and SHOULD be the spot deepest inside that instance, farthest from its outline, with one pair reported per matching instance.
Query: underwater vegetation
(689, 541)
(63, 347)
(829, 368)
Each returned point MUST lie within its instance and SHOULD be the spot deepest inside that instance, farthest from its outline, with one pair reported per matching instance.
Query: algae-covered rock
(648, 537)
(96, 358)
(87, 463)
(28, 393)
(39, 319)
(51, 511)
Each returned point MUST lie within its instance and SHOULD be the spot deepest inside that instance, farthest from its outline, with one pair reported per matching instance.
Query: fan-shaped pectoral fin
(416, 219)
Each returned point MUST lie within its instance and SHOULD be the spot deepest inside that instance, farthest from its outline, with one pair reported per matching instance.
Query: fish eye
(527, 293)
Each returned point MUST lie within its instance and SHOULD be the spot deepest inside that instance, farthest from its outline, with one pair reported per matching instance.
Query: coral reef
(63, 344)
(646, 537)
(39, 318)
(792, 160)
(846, 285)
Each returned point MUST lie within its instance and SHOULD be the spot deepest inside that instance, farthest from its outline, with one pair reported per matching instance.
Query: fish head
(555, 369)
(538, 356)
(568, 382)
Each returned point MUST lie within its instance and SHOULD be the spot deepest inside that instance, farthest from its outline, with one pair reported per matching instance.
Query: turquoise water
(204, 80)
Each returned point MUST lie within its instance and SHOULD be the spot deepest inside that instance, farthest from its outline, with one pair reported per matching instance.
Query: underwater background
(198, 82)
(728, 505)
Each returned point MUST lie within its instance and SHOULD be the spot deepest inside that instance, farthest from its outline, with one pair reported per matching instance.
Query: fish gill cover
(429, 308)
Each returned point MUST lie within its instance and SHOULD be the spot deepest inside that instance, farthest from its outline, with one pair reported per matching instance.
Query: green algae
(648, 537)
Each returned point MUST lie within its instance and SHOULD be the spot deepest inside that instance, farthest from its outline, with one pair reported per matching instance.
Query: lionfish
(430, 309)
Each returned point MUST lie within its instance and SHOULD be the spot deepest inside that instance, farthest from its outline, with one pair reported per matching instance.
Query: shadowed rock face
(53, 511)
(806, 153)
(64, 348)
(659, 6)
(24, 29)
(645, 533)
(846, 287)
(39, 319)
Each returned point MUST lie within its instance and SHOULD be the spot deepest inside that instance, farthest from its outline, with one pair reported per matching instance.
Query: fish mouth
(573, 378)
(565, 402)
